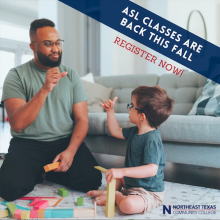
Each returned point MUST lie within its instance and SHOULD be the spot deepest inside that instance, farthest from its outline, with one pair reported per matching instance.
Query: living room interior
(190, 141)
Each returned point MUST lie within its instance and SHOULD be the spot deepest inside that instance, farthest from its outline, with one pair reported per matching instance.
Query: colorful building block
(34, 202)
(40, 213)
(33, 213)
(4, 213)
(51, 202)
(48, 213)
(80, 201)
(58, 202)
(100, 168)
(51, 166)
(110, 201)
(36, 197)
(25, 214)
(85, 212)
(41, 205)
(17, 213)
(62, 213)
(17, 206)
(62, 192)
(12, 208)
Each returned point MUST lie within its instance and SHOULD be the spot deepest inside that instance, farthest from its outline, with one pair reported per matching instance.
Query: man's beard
(46, 61)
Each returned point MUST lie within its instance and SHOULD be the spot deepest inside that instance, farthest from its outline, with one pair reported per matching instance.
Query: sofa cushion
(193, 129)
(96, 93)
(97, 123)
(209, 101)
(183, 90)
(124, 85)
(181, 128)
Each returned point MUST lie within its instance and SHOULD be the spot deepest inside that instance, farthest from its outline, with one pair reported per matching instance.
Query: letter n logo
(167, 209)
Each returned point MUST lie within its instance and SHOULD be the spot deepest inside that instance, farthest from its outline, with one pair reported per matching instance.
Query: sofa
(187, 139)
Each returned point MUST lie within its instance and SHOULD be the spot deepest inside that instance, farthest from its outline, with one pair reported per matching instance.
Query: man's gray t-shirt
(55, 119)
(142, 150)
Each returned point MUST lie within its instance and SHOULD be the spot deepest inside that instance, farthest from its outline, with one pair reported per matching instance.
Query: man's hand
(66, 160)
(52, 78)
(109, 104)
(113, 174)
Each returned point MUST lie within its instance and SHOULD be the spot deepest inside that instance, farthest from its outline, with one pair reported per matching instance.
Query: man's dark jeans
(23, 167)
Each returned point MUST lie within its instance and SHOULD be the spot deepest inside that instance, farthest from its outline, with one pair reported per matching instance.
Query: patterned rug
(175, 194)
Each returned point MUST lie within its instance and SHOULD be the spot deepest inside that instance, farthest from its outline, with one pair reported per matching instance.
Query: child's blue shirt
(142, 150)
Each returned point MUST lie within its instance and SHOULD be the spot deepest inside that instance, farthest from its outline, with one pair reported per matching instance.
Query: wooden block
(51, 202)
(48, 213)
(80, 201)
(17, 214)
(4, 213)
(37, 197)
(62, 192)
(17, 206)
(83, 213)
(12, 208)
(100, 168)
(51, 166)
(40, 213)
(94, 209)
(58, 202)
(110, 202)
(25, 214)
(33, 213)
(62, 213)
(41, 205)
(35, 201)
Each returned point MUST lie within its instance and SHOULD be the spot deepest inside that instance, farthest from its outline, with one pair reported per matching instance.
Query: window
(14, 48)
(7, 61)
(8, 31)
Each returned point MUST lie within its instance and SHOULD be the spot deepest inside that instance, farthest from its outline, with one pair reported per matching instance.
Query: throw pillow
(88, 77)
(96, 93)
(209, 101)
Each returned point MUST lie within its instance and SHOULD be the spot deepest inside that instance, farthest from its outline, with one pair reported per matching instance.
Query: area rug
(175, 196)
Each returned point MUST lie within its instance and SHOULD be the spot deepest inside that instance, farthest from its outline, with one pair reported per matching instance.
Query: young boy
(142, 177)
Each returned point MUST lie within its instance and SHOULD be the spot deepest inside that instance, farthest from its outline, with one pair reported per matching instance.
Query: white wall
(208, 8)
(125, 62)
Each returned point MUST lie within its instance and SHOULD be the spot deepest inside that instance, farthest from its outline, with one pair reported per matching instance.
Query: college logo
(165, 209)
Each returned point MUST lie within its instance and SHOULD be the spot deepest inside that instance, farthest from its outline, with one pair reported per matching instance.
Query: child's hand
(109, 104)
(113, 174)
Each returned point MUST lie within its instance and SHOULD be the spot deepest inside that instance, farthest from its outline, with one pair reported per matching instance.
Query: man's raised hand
(52, 78)
(109, 104)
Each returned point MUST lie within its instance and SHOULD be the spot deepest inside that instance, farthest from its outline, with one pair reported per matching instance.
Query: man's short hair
(39, 23)
(154, 103)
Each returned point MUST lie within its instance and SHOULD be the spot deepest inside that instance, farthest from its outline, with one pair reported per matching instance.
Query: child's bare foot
(101, 200)
(96, 193)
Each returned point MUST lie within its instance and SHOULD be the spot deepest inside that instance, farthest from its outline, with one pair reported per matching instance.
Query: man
(47, 110)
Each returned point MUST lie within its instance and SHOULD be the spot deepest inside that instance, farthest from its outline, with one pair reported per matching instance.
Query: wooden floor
(173, 172)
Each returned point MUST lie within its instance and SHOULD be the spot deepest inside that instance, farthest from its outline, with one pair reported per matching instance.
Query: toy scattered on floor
(58, 202)
(4, 213)
(36, 197)
(17, 213)
(110, 201)
(12, 208)
(62, 192)
(51, 166)
(49, 213)
(43, 204)
(25, 214)
(17, 206)
(80, 201)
